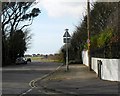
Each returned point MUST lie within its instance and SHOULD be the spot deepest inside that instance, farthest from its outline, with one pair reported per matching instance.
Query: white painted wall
(85, 57)
(119, 70)
(110, 69)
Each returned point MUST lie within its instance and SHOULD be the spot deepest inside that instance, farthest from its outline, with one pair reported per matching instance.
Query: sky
(49, 27)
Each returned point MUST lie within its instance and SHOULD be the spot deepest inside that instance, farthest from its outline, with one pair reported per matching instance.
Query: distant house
(34, 55)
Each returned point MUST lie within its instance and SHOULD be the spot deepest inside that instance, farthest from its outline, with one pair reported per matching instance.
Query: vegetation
(16, 16)
(104, 34)
(47, 58)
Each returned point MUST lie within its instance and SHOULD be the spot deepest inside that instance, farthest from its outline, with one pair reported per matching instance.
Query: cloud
(59, 8)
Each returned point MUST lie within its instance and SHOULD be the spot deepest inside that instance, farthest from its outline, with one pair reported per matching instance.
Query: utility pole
(0, 37)
(88, 32)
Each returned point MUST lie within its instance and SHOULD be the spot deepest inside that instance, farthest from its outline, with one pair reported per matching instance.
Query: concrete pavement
(78, 80)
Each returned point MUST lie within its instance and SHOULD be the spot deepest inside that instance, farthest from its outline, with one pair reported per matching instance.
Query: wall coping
(106, 58)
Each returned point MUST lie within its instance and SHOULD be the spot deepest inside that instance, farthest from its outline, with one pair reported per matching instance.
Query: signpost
(66, 39)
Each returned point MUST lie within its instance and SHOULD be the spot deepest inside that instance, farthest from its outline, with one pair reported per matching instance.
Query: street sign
(66, 37)
(88, 40)
(66, 34)
(66, 40)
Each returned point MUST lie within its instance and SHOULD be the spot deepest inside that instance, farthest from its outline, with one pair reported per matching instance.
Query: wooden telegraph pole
(88, 31)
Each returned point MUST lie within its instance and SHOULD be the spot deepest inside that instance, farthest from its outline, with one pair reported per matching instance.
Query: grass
(41, 59)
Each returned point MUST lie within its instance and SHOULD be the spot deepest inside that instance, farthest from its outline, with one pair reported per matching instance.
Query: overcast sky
(49, 27)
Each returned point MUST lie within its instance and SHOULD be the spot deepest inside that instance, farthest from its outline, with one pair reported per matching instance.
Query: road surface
(18, 79)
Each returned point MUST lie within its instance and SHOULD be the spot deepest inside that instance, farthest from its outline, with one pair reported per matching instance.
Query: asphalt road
(17, 79)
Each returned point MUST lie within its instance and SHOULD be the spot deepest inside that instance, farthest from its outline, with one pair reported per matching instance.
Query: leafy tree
(17, 45)
(102, 41)
(13, 16)
(104, 32)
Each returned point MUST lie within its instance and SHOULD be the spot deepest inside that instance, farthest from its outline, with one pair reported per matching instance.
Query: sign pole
(67, 66)
(66, 39)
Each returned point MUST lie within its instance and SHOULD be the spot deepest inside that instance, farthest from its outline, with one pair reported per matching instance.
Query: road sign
(66, 34)
(88, 40)
(66, 40)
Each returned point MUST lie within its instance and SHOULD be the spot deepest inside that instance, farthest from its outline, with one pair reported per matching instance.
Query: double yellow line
(32, 82)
